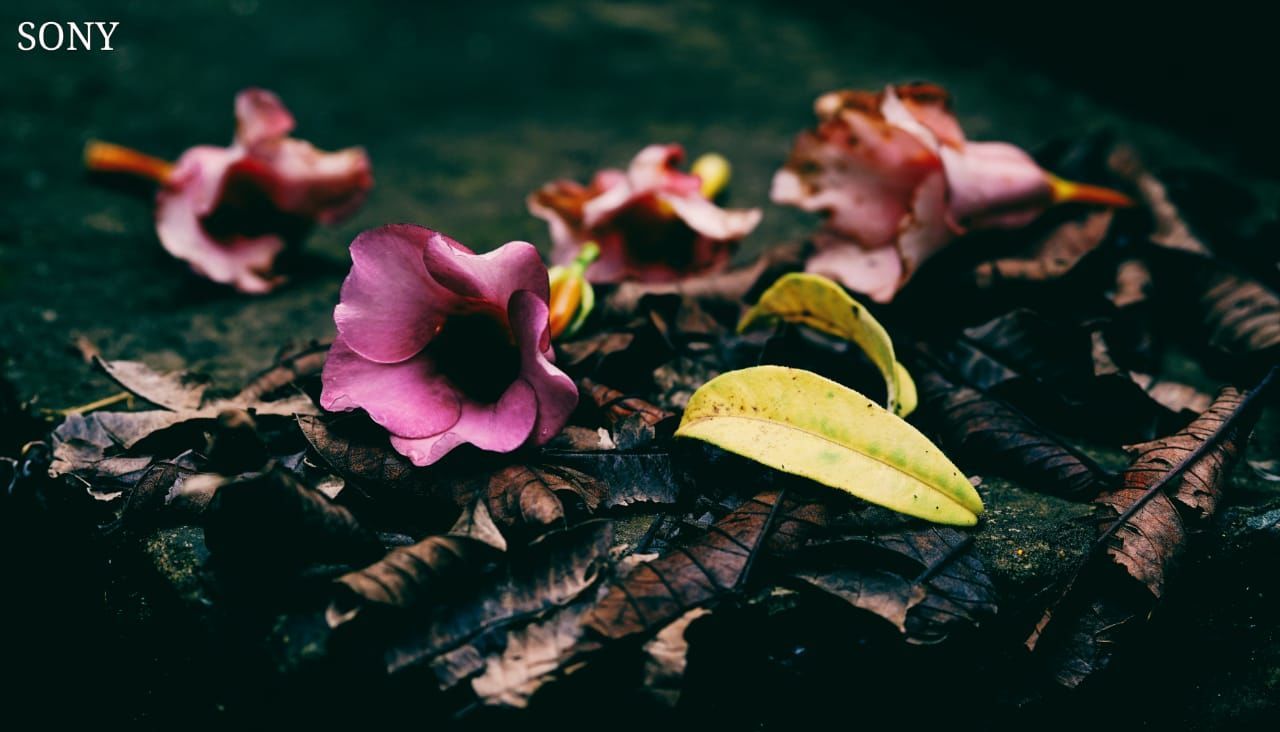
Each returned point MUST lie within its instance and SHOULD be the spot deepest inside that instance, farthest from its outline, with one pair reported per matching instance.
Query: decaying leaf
(1052, 256)
(407, 577)
(627, 477)
(288, 370)
(941, 588)
(657, 592)
(1171, 229)
(798, 422)
(355, 449)
(667, 656)
(987, 435)
(821, 304)
(177, 391)
(1172, 483)
(552, 572)
(273, 523)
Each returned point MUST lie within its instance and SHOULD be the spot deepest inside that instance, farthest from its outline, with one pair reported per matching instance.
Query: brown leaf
(1172, 481)
(618, 406)
(288, 370)
(1171, 229)
(174, 390)
(1149, 541)
(552, 572)
(583, 355)
(941, 588)
(1241, 317)
(272, 523)
(666, 657)
(1053, 256)
(407, 577)
(359, 451)
(657, 592)
(627, 477)
(987, 435)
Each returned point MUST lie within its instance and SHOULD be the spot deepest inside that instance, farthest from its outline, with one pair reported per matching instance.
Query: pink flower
(899, 181)
(442, 346)
(229, 211)
(653, 223)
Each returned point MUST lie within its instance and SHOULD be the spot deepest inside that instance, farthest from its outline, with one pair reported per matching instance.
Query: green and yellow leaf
(804, 424)
(823, 305)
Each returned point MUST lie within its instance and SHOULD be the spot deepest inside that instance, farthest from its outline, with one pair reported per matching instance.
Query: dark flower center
(477, 354)
(655, 236)
(246, 210)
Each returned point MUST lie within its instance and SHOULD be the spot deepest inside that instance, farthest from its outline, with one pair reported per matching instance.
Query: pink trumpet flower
(442, 346)
(229, 211)
(898, 181)
(653, 223)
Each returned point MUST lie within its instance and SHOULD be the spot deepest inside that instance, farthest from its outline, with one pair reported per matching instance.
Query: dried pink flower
(442, 346)
(652, 222)
(899, 181)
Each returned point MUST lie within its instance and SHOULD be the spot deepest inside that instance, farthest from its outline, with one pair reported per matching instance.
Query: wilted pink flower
(653, 223)
(443, 346)
(228, 211)
(898, 181)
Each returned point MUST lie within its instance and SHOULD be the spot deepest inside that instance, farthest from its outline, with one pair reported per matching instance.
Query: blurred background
(466, 107)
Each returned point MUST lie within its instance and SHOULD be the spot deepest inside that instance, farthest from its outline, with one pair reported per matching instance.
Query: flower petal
(875, 272)
(190, 194)
(861, 171)
(995, 184)
(303, 180)
(499, 427)
(928, 228)
(408, 398)
(260, 117)
(390, 307)
(557, 394)
(710, 220)
(491, 277)
(559, 203)
(654, 169)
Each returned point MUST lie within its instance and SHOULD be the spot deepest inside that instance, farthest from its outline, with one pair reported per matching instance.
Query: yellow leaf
(804, 424)
(823, 305)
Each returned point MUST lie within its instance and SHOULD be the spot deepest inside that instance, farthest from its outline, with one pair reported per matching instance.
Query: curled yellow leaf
(823, 305)
(801, 423)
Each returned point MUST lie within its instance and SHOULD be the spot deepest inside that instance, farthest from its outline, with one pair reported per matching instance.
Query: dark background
(466, 108)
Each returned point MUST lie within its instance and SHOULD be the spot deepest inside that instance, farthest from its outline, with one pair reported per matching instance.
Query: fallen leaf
(667, 656)
(287, 371)
(270, 524)
(940, 589)
(1053, 255)
(801, 423)
(407, 577)
(988, 436)
(657, 592)
(628, 478)
(1172, 482)
(174, 390)
(821, 304)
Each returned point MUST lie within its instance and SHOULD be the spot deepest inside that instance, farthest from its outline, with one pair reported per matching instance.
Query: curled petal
(654, 169)
(876, 273)
(499, 427)
(408, 398)
(557, 394)
(305, 181)
(243, 262)
(390, 307)
(995, 184)
(491, 277)
(710, 220)
(928, 227)
(560, 203)
(261, 117)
